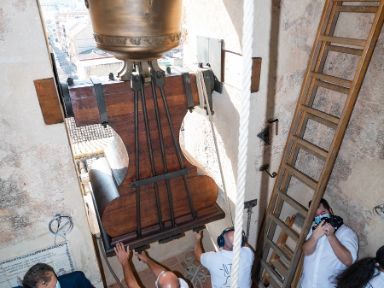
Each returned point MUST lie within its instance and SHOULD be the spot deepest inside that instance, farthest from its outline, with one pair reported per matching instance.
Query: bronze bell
(135, 30)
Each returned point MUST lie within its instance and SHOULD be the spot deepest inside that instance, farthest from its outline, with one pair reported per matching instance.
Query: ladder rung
(271, 284)
(287, 250)
(328, 119)
(276, 277)
(346, 50)
(357, 9)
(281, 269)
(343, 40)
(302, 177)
(300, 208)
(332, 79)
(291, 233)
(278, 250)
(310, 147)
(333, 87)
(357, 0)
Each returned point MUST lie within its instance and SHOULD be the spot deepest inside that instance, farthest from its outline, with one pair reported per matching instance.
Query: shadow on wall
(235, 11)
(270, 102)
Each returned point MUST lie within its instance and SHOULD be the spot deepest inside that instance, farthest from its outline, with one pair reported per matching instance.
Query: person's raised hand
(319, 231)
(142, 256)
(122, 254)
(198, 235)
(329, 230)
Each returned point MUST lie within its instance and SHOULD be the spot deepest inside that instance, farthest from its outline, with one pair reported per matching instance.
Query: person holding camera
(330, 248)
(219, 263)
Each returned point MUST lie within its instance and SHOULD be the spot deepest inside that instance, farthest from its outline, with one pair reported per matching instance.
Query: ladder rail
(312, 59)
(313, 79)
(341, 129)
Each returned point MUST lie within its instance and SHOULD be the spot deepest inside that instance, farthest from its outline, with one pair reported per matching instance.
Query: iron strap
(188, 91)
(99, 90)
(158, 178)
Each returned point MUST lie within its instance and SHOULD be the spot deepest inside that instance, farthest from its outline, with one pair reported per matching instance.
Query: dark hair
(323, 202)
(361, 272)
(37, 273)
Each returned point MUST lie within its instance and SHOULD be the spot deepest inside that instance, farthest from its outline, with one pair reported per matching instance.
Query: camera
(335, 221)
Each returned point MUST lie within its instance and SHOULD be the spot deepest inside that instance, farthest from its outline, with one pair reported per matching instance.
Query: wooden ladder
(283, 197)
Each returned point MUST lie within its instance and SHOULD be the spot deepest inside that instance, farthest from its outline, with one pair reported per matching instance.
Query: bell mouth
(136, 29)
(137, 47)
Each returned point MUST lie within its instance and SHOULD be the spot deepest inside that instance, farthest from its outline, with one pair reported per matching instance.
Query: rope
(202, 90)
(247, 39)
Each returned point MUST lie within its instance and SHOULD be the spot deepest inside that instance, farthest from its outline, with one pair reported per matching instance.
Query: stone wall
(283, 37)
(37, 174)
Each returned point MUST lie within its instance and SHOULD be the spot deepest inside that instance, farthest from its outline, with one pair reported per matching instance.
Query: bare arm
(339, 249)
(198, 250)
(155, 267)
(309, 246)
(123, 257)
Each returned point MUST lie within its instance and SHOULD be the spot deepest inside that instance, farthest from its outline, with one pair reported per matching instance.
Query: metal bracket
(188, 91)
(210, 84)
(66, 99)
(265, 168)
(99, 91)
(249, 205)
(271, 121)
(265, 133)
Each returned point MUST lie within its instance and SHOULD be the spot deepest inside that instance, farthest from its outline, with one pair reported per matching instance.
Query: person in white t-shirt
(219, 263)
(330, 248)
(367, 273)
(165, 278)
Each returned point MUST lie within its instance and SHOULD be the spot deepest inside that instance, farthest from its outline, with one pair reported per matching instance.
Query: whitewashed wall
(37, 175)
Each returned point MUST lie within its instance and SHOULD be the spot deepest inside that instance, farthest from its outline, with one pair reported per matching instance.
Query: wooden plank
(346, 50)
(296, 205)
(280, 267)
(49, 100)
(311, 183)
(291, 233)
(278, 250)
(318, 116)
(332, 87)
(357, 9)
(332, 79)
(276, 277)
(343, 40)
(357, 1)
(256, 70)
(312, 148)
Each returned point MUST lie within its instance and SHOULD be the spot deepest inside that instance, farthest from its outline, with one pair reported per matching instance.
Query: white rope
(247, 39)
(202, 90)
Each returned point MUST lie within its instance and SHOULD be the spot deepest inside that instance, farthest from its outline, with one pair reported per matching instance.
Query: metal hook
(265, 168)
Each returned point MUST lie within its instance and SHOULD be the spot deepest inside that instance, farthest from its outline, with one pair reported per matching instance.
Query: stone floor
(183, 264)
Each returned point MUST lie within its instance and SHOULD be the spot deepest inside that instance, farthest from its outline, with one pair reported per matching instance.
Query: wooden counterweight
(162, 195)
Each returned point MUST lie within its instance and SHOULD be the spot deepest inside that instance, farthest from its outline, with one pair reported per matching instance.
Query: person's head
(323, 208)
(226, 239)
(40, 275)
(167, 279)
(361, 272)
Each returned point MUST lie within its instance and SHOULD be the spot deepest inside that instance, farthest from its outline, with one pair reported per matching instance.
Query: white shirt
(376, 282)
(219, 265)
(322, 266)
